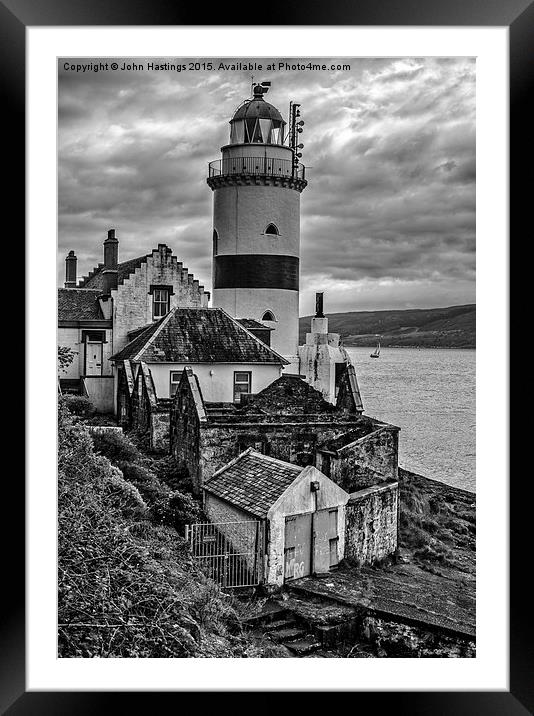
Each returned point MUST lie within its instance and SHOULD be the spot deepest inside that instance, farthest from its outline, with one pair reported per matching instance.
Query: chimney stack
(111, 251)
(71, 264)
(110, 280)
(319, 305)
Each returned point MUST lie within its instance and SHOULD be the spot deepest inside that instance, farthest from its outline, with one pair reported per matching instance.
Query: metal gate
(231, 553)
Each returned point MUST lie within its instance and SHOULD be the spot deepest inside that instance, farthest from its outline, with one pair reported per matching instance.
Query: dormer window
(160, 302)
(272, 230)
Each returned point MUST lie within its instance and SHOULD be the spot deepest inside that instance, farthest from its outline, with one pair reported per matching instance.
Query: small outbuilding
(298, 516)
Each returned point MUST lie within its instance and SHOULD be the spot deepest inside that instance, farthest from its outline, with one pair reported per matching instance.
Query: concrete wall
(372, 523)
(100, 392)
(297, 500)
(216, 379)
(132, 302)
(373, 458)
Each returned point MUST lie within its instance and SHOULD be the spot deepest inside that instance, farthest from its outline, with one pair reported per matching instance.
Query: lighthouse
(256, 186)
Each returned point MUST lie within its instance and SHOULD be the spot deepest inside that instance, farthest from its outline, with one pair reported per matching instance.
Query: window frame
(171, 382)
(158, 302)
(237, 396)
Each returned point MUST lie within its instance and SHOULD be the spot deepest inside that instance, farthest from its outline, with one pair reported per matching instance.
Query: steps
(295, 637)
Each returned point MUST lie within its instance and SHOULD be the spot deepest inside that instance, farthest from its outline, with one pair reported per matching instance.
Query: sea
(430, 394)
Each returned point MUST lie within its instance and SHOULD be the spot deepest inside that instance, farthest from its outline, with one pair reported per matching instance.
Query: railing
(264, 166)
(230, 553)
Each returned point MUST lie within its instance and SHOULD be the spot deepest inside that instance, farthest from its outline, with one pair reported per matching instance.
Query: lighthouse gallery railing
(266, 166)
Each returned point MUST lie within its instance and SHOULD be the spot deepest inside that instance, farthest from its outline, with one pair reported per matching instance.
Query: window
(268, 316)
(175, 379)
(242, 384)
(272, 230)
(160, 302)
(215, 242)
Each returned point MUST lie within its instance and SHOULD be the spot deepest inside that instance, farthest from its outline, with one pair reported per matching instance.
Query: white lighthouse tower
(256, 221)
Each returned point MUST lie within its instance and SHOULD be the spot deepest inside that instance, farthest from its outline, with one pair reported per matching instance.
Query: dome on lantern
(257, 121)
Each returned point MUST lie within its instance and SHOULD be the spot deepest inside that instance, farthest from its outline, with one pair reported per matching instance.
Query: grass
(127, 586)
(437, 523)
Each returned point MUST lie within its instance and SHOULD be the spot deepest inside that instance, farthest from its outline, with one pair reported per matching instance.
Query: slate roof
(253, 482)
(95, 278)
(75, 304)
(198, 335)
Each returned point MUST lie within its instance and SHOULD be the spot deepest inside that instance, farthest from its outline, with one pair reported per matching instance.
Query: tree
(65, 356)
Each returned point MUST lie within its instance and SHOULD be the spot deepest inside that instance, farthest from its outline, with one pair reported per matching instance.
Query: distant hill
(452, 327)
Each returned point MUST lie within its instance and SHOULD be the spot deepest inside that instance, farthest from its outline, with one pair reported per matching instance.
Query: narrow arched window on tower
(215, 242)
(272, 230)
(268, 316)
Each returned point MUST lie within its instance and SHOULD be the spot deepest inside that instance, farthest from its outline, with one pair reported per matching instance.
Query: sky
(387, 218)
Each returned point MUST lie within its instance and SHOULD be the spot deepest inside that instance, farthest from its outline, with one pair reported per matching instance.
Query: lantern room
(257, 122)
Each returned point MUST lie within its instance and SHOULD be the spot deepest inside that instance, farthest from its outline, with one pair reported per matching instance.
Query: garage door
(297, 546)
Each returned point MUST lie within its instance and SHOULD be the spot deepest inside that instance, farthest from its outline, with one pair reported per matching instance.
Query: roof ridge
(260, 342)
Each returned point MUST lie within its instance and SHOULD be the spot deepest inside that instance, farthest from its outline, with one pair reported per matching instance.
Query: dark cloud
(388, 218)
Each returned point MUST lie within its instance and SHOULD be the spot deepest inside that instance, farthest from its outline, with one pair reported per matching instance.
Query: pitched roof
(198, 335)
(95, 278)
(74, 304)
(253, 482)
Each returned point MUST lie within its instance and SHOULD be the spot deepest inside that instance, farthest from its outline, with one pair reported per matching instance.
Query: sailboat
(376, 353)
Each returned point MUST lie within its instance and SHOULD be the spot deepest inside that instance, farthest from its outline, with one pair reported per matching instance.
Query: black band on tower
(256, 271)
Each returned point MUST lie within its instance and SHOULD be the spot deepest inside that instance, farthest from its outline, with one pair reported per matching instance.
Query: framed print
(264, 317)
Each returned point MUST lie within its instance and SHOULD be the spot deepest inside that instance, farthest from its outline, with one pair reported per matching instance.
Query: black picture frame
(518, 16)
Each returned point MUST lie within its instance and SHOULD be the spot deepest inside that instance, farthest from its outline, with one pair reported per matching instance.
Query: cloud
(388, 217)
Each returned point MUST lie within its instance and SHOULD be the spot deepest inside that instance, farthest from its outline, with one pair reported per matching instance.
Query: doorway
(93, 358)
(311, 543)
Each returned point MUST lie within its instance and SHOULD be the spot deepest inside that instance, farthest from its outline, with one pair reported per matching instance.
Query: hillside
(452, 327)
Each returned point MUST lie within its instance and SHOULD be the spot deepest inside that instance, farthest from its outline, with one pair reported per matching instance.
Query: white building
(256, 223)
(97, 313)
(300, 515)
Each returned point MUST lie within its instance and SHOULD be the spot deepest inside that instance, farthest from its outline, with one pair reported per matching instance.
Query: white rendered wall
(216, 379)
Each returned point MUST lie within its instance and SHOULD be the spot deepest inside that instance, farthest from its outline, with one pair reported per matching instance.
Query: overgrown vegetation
(437, 523)
(127, 584)
(79, 405)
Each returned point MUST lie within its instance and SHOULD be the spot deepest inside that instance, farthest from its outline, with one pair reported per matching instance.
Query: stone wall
(366, 462)
(372, 523)
(132, 300)
(291, 442)
(159, 429)
(397, 639)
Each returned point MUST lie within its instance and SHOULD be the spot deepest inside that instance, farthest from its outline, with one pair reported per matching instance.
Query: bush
(116, 447)
(127, 588)
(167, 471)
(178, 510)
(78, 405)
